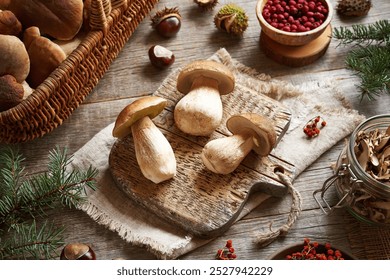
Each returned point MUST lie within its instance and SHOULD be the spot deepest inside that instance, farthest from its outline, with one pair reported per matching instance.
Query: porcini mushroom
(250, 132)
(11, 92)
(14, 59)
(200, 111)
(9, 24)
(44, 54)
(154, 154)
(59, 19)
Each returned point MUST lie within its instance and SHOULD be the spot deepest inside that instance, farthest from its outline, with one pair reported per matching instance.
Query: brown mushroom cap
(149, 106)
(14, 59)
(263, 130)
(206, 68)
(60, 19)
(29, 35)
(9, 24)
(45, 57)
(11, 92)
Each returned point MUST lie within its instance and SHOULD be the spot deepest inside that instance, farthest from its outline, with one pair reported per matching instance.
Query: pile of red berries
(295, 15)
(312, 251)
(226, 253)
(311, 128)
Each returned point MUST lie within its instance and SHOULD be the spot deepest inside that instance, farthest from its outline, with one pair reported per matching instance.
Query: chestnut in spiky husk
(206, 4)
(167, 22)
(232, 19)
(77, 251)
(353, 7)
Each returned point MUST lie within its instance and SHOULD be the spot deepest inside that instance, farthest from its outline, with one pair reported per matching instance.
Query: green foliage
(370, 55)
(23, 199)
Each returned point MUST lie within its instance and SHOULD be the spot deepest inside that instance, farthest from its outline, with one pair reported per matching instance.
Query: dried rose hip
(295, 15)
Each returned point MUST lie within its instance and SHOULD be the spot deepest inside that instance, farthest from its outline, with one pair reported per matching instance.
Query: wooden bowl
(292, 38)
(298, 247)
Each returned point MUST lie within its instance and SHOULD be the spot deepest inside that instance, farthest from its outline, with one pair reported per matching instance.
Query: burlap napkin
(109, 207)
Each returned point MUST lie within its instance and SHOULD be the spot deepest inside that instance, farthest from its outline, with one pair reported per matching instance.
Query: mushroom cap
(61, 19)
(263, 130)
(29, 35)
(45, 57)
(149, 106)
(9, 24)
(14, 58)
(11, 92)
(206, 68)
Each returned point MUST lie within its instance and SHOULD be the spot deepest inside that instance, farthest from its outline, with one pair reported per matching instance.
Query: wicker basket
(54, 100)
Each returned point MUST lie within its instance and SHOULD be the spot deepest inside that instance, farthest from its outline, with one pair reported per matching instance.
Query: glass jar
(366, 198)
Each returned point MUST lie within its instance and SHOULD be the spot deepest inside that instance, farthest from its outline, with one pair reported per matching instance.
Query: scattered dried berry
(226, 253)
(313, 251)
(311, 128)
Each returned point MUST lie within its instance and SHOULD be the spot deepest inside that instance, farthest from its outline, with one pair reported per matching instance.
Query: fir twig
(370, 57)
(377, 32)
(24, 198)
(32, 242)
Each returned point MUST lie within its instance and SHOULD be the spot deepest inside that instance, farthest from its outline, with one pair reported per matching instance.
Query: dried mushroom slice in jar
(372, 150)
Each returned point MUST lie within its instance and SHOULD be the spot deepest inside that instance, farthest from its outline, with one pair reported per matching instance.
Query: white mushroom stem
(200, 112)
(154, 154)
(224, 155)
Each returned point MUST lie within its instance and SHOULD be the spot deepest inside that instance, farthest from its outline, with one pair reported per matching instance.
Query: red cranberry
(282, 14)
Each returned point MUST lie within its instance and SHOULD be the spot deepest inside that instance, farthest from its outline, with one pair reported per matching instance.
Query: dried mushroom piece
(372, 149)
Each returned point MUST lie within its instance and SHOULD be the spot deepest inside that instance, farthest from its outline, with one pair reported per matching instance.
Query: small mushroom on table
(250, 132)
(200, 111)
(154, 154)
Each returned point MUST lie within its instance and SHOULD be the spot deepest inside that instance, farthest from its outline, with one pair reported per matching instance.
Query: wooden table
(131, 75)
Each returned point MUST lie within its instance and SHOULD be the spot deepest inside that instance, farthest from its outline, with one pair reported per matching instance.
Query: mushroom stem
(224, 155)
(200, 112)
(154, 154)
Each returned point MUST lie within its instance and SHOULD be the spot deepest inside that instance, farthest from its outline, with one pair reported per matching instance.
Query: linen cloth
(110, 207)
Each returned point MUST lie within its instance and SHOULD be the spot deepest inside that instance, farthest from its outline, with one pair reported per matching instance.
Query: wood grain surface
(196, 199)
(131, 75)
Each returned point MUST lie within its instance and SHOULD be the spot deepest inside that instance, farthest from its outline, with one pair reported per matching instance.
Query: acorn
(206, 5)
(353, 7)
(167, 22)
(231, 19)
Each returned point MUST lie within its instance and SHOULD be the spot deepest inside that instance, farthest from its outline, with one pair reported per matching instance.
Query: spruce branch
(24, 198)
(377, 32)
(369, 57)
(32, 241)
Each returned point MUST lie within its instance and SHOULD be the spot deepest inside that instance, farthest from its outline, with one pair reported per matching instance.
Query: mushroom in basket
(154, 154)
(200, 111)
(250, 132)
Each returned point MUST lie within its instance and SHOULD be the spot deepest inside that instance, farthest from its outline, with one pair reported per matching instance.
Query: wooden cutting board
(197, 200)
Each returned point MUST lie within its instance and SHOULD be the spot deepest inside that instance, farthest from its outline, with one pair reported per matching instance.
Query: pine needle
(24, 198)
(369, 57)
